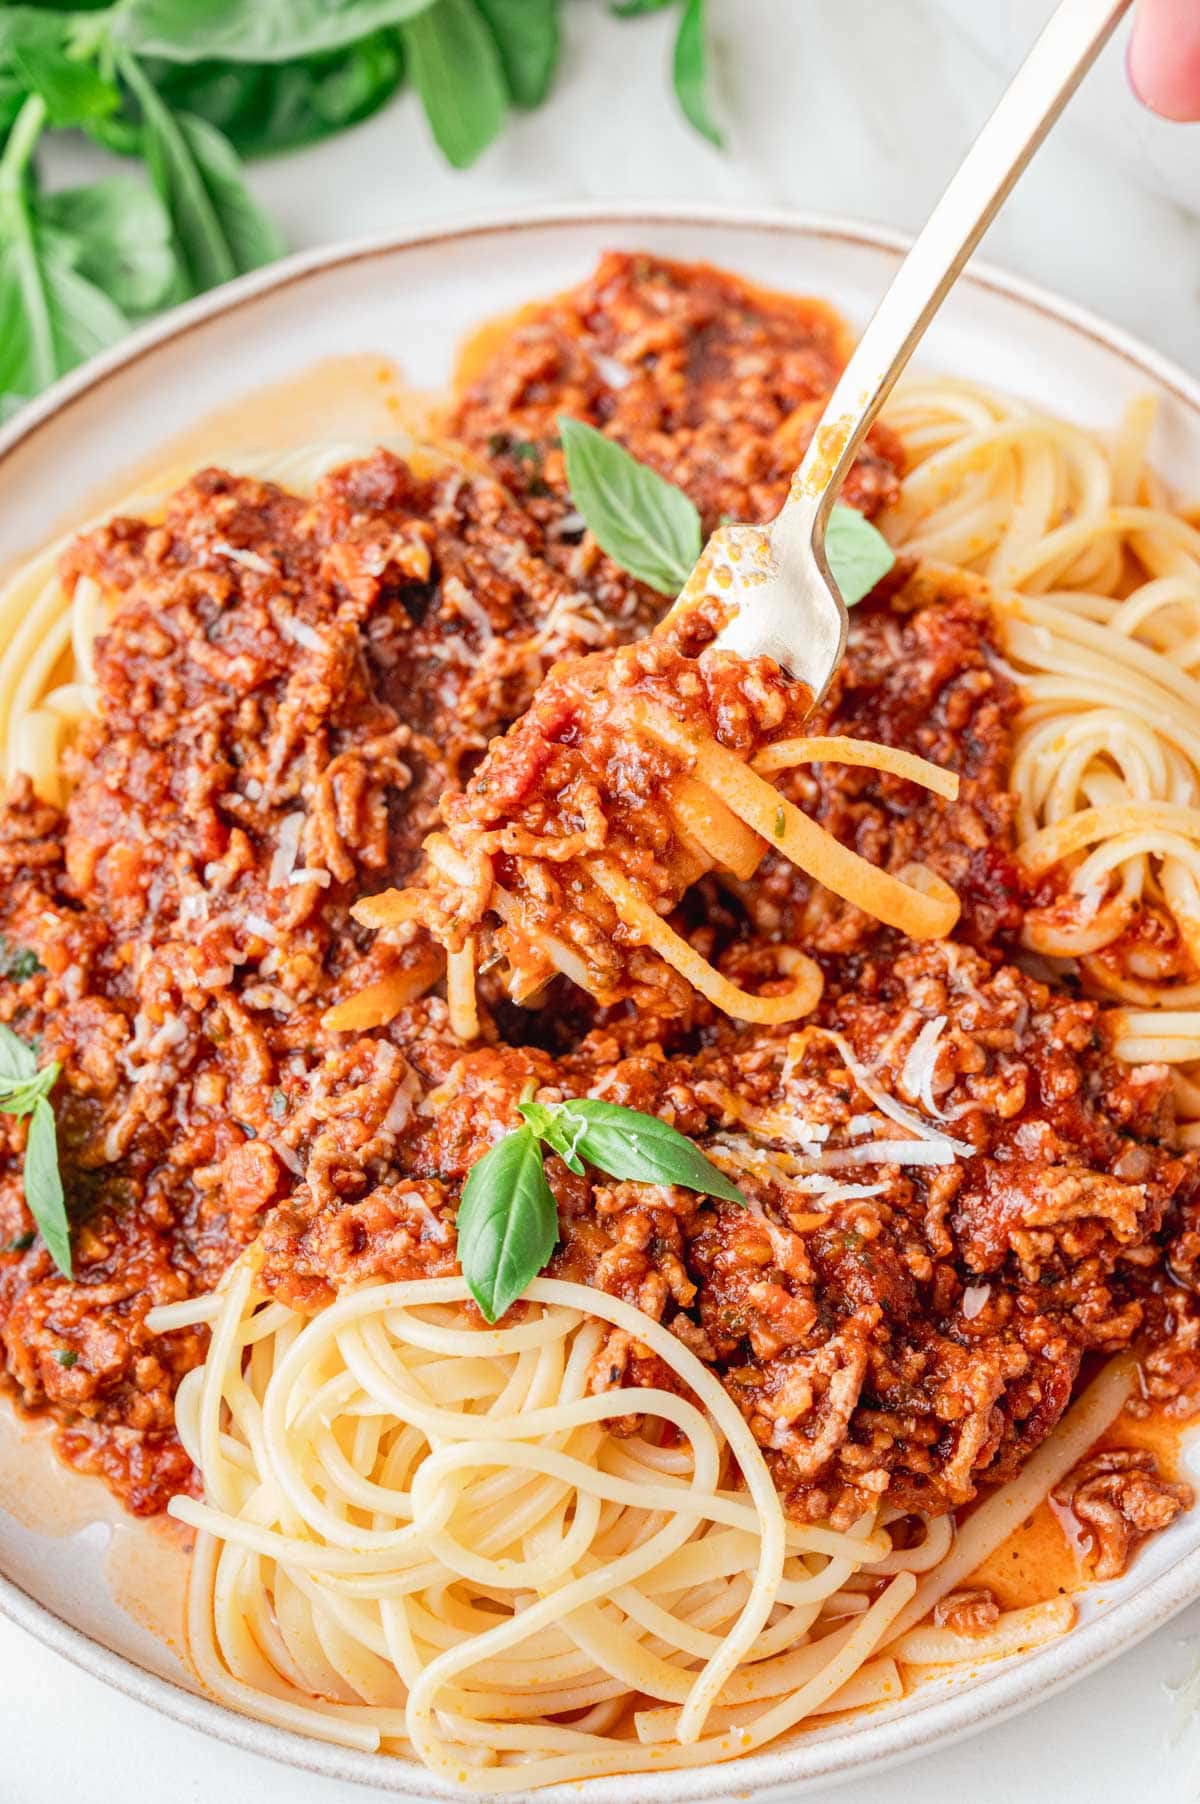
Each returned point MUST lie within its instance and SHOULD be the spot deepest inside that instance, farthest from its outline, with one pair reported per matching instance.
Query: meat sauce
(290, 690)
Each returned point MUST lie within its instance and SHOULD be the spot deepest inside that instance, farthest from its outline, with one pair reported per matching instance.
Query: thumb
(1164, 57)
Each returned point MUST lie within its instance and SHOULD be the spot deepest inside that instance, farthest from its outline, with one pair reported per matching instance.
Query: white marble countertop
(853, 106)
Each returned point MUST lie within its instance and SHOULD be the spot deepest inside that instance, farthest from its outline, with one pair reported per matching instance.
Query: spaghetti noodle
(1096, 584)
(422, 1536)
(570, 830)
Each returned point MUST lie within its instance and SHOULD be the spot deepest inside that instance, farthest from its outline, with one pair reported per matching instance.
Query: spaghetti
(582, 845)
(422, 1536)
(1096, 582)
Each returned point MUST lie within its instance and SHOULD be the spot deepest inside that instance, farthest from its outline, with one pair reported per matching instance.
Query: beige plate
(88, 1587)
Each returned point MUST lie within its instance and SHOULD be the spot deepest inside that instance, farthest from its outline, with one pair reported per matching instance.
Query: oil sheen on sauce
(359, 399)
(1047, 1554)
(144, 1562)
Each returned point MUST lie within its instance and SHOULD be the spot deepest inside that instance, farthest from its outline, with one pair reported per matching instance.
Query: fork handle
(1050, 74)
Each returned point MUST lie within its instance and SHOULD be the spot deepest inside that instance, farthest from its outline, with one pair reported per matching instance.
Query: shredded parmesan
(921, 1064)
(894, 1109)
(457, 596)
(299, 632)
(569, 523)
(938, 1151)
(610, 371)
(249, 560)
(259, 925)
(831, 1192)
(974, 1298)
(432, 1226)
(291, 829)
(283, 1152)
(309, 873)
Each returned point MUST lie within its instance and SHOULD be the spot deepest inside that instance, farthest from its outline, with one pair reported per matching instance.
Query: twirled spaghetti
(423, 1536)
(583, 871)
(1096, 581)
(431, 1529)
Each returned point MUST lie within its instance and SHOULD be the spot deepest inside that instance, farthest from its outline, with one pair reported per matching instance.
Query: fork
(789, 605)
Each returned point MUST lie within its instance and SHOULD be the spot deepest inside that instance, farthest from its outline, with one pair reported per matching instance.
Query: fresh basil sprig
(645, 524)
(219, 229)
(264, 108)
(24, 1090)
(626, 1144)
(527, 37)
(858, 554)
(455, 66)
(250, 31)
(651, 529)
(689, 59)
(508, 1220)
(186, 87)
(690, 69)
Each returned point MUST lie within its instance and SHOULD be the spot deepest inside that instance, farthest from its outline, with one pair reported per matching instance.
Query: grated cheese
(283, 1152)
(610, 371)
(888, 1152)
(459, 599)
(894, 1109)
(291, 828)
(921, 1064)
(259, 925)
(974, 1298)
(299, 632)
(249, 560)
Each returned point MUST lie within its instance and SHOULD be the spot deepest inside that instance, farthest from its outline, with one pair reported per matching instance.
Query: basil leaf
(72, 89)
(266, 107)
(23, 1098)
(13, 94)
(645, 524)
(18, 1062)
(123, 240)
(251, 31)
(43, 1186)
(456, 69)
(219, 229)
(690, 67)
(627, 1144)
(18, 962)
(651, 529)
(51, 318)
(633, 9)
(507, 1222)
(857, 552)
(546, 1123)
(526, 34)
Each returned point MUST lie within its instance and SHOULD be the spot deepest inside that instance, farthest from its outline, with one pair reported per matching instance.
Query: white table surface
(857, 106)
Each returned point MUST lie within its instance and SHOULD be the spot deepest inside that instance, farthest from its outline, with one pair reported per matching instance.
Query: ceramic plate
(105, 1592)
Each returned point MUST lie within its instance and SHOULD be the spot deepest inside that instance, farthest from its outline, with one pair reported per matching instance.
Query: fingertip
(1163, 58)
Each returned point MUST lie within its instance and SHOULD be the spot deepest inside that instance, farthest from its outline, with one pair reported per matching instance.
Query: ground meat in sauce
(289, 689)
(712, 381)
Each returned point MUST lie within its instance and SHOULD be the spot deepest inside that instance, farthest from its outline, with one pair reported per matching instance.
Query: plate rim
(942, 1719)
